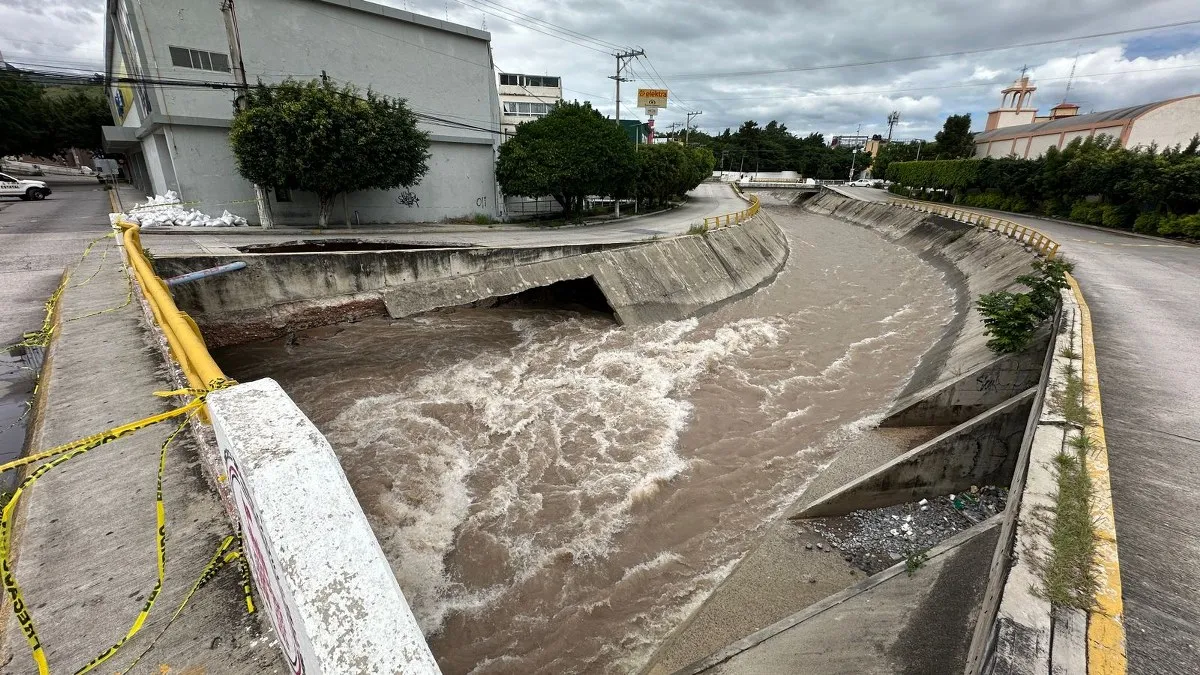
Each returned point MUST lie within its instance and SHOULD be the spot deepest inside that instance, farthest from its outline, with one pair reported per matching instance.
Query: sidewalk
(709, 199)
(84, 540)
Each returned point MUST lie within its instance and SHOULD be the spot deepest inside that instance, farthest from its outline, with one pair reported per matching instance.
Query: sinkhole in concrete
(343, 246)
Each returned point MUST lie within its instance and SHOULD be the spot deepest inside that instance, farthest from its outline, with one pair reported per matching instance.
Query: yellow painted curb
(1106, 626)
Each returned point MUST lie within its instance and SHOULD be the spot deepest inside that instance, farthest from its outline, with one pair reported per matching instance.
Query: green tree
(74, 119)
(664, 170)
(570, 153)
(896, 151)
(316, 137)
(45, 121)
(955, 140)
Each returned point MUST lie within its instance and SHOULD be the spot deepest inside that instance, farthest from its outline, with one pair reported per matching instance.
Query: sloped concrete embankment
(642, 282)
(962, 420)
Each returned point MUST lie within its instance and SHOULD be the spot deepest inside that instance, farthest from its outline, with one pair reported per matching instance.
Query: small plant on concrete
(698, 229)
(1068, 353)
(1069, 574)
(915, 561)
(1070, 400)
(1010, 319)
(482, 219)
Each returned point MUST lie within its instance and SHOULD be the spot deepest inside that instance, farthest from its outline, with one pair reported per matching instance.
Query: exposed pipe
(206, 273)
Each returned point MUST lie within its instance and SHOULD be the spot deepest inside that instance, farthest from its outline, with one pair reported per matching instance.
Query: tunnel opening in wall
(575, 295)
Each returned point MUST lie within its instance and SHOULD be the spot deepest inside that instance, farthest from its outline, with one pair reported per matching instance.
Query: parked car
(861, 182)
(25, 189)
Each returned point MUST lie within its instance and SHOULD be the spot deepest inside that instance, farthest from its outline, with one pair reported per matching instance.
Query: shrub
(1146, 223)
(1111, 216)
(1009, 319)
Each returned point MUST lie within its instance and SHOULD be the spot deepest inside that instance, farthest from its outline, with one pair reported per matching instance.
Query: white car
(25, 189)
(861, 182)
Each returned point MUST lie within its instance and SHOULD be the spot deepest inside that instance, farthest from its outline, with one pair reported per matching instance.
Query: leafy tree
(21, 120)
(39, 121)
(75, 119)
(898, 151)
(664, 171)
(570, 153)
(955, 140)
(316, 137)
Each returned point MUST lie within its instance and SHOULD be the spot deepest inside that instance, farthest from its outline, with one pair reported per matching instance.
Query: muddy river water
(555, 492)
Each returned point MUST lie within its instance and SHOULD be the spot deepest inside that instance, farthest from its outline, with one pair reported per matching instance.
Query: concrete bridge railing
(1039, 242)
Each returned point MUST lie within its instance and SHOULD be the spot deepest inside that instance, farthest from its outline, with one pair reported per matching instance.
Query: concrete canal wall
(656, 280)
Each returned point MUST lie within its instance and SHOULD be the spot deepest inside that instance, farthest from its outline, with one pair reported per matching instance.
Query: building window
(282, 194)
(513, 80)
(183, 57)
(527, 109)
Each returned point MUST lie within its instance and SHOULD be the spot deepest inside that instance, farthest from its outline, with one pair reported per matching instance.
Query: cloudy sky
(711, 53)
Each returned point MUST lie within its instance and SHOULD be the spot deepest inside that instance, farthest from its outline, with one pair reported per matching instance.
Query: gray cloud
(692, 43)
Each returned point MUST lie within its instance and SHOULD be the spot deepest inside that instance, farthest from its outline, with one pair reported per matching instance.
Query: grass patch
(1070, 400)
(1068, 353)
(482, 219)
(1069, 575)
(698, 229)
(915, 561)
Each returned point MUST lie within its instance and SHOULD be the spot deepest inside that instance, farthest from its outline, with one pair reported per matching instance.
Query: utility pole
(622, 61)
(920, 142)
(854, 154)
(892, 120)
(239, 75)
(688, 128)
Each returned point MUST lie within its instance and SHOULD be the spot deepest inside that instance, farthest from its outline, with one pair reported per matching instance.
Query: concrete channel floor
(84, 543)
(708, 199)
(1142, 293)
(893, 622)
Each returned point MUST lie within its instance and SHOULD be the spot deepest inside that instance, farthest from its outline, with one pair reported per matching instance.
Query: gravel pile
(874, 540)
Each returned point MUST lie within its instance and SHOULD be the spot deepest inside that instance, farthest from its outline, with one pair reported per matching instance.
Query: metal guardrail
(1039, 242)
(725, 220)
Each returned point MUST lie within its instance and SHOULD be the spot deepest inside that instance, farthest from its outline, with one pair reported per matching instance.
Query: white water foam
(570, 429)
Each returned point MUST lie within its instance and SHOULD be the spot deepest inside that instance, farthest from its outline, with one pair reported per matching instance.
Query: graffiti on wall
(271, 590)
(407, 198)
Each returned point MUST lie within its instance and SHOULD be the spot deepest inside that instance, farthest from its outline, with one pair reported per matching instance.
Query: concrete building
(1015, 128)
(526, 97)
(175, 136)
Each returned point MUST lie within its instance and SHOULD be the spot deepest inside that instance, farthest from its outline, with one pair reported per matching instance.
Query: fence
(1026, 235)
(725, 220)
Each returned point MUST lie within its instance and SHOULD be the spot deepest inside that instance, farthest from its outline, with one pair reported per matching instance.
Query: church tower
(1016, 106)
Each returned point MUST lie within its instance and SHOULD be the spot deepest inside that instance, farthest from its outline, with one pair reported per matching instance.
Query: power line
(901, 59)
(532, 27)
(552, 26)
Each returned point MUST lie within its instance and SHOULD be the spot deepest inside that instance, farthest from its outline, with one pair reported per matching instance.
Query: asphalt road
(37, 241)
(1143, 295)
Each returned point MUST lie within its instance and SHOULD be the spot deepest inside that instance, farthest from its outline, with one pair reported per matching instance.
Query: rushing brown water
(556, 493)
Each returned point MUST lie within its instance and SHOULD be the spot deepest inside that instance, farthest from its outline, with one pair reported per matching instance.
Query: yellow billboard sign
(652, 98)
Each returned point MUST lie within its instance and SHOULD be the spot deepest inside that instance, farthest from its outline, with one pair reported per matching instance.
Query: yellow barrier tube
(184, 340)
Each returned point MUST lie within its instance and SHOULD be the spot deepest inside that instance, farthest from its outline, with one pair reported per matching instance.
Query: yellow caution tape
(226, 553)
(10, 583)
(160, 540)
(103, 437)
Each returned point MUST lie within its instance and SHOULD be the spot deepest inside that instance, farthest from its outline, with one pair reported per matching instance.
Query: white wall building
(526, 97)
(1015, 128)
(176, 137)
